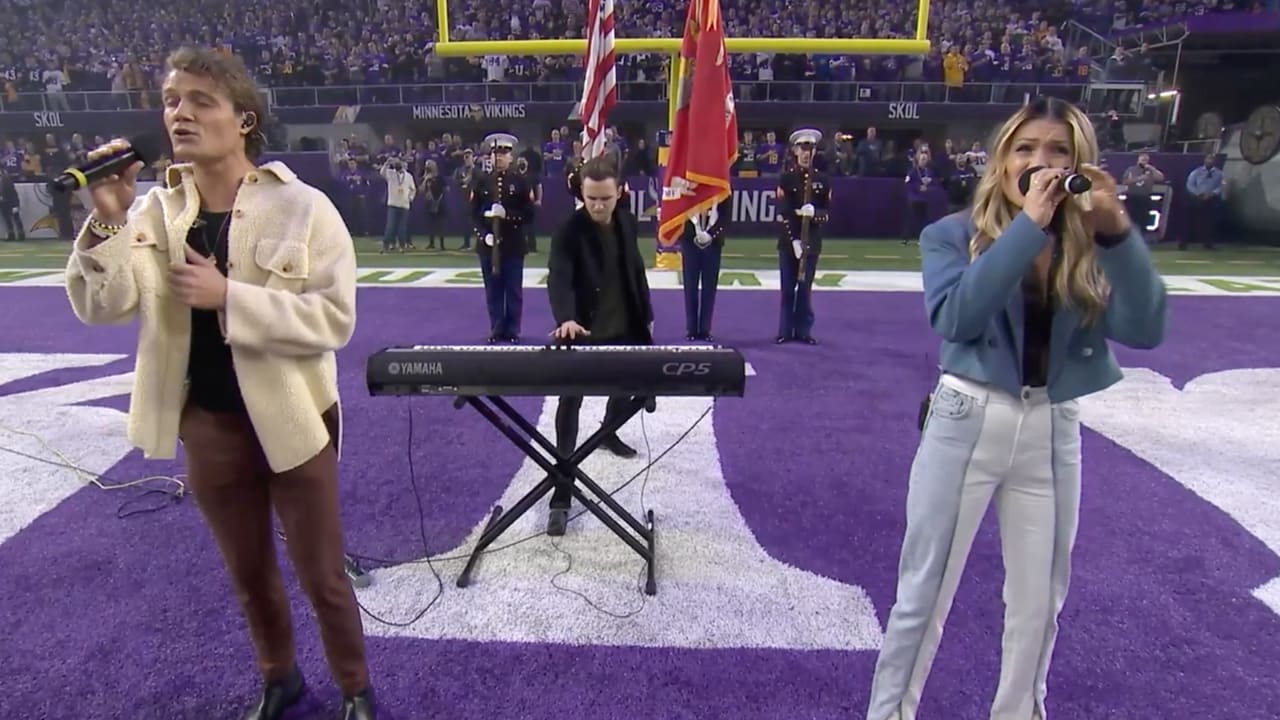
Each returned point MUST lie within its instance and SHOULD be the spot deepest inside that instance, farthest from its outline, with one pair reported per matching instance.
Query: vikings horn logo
(49, 221)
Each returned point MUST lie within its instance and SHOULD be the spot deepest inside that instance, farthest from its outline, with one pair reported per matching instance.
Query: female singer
(1025, 291)
(243, 279)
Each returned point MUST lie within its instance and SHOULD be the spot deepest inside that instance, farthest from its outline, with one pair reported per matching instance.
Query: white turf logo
(39, 422)
(717, 587)
(1219, 437)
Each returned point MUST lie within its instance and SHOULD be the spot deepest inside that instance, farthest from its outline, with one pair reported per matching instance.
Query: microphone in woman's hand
(1073, 182)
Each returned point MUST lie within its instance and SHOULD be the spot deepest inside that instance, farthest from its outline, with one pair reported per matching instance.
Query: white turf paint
(1218, 437)
(90, 437)
(730, 280)
(717, 587)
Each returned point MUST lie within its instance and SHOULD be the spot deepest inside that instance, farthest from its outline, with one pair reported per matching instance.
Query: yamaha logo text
(416, 368)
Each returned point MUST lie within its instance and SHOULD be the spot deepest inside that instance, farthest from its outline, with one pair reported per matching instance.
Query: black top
(613, 320)
(214, 386)
(583, 262)
(1037, 328)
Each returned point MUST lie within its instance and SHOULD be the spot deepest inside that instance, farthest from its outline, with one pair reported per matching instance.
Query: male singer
(599, 295)
(243, 282)
(701, 244)
(501, 201)
(804, 194)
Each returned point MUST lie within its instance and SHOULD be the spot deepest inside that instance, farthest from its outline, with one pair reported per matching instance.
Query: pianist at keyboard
(599, 295)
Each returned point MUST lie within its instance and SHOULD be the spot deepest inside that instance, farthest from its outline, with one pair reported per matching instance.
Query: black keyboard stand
(563, 471)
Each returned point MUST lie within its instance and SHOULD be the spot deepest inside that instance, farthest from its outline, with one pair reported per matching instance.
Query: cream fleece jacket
(291, 304)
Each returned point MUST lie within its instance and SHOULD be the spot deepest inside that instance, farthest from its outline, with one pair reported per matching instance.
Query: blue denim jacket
(977, 308)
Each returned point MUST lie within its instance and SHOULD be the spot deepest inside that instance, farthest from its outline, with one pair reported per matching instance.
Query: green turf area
(740, 253)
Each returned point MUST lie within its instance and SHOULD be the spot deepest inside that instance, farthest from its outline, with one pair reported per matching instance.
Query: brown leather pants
(236, 491)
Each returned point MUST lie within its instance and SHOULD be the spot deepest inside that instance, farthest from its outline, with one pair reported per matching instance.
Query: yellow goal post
(445, 47)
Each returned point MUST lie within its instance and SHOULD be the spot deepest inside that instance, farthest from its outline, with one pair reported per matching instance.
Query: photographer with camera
(401, 189)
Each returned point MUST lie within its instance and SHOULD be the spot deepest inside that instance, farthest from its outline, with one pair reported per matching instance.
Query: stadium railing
(435, 93)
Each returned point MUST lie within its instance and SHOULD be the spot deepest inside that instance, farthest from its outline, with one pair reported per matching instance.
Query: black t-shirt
(613, 318)
(214, 386)
(1038, 324)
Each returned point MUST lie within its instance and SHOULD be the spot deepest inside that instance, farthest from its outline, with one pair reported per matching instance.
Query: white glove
(797, 248)
(497, 211)
(578, 204)
(805, 210)
(488, 240)
(702, 238)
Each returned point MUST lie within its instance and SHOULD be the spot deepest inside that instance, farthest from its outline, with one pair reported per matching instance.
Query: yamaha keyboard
(532, 370)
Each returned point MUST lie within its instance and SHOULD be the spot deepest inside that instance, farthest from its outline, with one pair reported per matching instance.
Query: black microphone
(142, 148)
(1074, 183)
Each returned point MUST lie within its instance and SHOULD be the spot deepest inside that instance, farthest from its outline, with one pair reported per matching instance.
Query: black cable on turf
(648, 449)
(645, 471)
(384, 562)
(426, 545)
(173, 496)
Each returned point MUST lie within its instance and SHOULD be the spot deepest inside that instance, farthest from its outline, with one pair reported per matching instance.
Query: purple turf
(111, 618)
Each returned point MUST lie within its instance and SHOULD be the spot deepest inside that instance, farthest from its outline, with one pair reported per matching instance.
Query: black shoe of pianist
(557, 521)
(615, 445)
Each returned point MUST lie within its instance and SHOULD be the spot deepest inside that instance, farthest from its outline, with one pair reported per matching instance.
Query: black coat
(575, 270)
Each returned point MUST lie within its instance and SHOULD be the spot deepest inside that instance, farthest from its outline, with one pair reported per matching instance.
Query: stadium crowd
(116, 48)
(983, 49)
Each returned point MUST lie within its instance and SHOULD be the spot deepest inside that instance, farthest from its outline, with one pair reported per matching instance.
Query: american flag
(600, 90)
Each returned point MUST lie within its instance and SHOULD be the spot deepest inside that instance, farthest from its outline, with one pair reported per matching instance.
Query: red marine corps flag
(704, 141)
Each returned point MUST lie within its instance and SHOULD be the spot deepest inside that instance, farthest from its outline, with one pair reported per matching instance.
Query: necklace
(211, 249)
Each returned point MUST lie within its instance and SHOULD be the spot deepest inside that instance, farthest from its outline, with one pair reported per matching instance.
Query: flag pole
(664, 258)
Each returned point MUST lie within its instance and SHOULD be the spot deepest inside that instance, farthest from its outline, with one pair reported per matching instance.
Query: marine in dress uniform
(501, 201)
(796, 316)
(701, 244)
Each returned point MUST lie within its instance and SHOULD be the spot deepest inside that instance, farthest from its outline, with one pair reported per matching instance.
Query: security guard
(701, 245)
(795, 205)
(501, 202)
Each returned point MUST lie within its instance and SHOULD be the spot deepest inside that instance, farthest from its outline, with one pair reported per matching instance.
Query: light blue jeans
(978, 443)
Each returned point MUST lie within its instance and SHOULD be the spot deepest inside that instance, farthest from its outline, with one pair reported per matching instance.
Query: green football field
(740, 253)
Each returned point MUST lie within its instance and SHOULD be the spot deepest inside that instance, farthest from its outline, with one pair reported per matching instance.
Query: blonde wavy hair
(1078, 281)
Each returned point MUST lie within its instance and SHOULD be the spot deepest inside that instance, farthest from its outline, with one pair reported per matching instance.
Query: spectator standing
(1205, 190)
(400, 192)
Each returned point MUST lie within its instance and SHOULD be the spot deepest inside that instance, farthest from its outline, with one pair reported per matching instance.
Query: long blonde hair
(1078, 281)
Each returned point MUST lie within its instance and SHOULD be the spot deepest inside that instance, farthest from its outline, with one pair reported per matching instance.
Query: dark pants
(1203, 221)
(917, 218)
(12, 220)
(567, 411)
(530, 235)
(504, 294)
(434, 228)
(357, 215)
(701, 268)
(236, 492)
(796, 317)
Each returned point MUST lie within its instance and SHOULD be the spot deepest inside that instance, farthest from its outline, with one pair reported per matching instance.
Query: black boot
(279, 696)
(615, 445)
(359, 707)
